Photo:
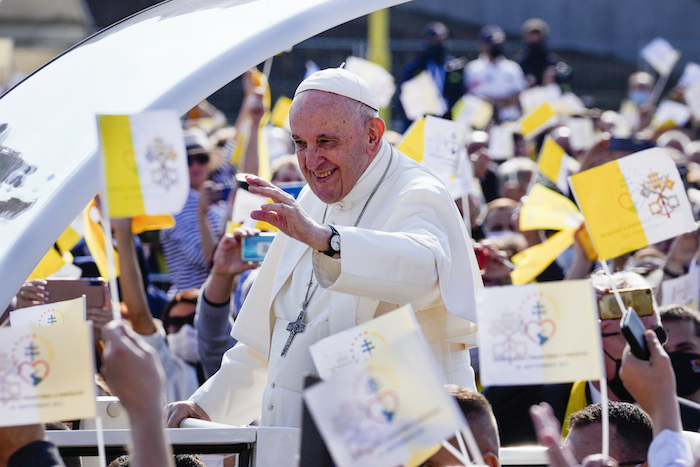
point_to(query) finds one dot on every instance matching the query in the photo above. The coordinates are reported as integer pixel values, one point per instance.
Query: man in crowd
(482, 423)
(493, 77)
(342, 257)
(683, 346)
(630, 432)
(537, 61)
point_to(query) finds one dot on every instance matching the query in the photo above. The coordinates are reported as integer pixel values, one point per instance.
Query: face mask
(495, 51)
(616, 385)
(639, 97)
(687, 369)
(183, 343)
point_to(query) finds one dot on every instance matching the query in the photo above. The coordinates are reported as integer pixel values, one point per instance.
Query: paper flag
(532, 98)
(420, 96)
(95, 240)
(47, 374)
(145, 163)
(548, 210)
(473, 111)
(683, 290)
(145, 223)
(380, 413)
(582, 136)
(436, 143)
(501, 143)
(49, 264)
(553, 164)
(670, 114)
(354, 346)
(534, 260)
(69, 311)
(537, 121)
(691, 74)
(380, 81)
(538, 334)
(660, 55)
(692, 98)
(280, 112)
(633, 202)
(245, 203)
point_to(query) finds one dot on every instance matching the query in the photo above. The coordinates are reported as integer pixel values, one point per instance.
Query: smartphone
(68, 289)
(639, 299)
(633, 330)
(255, 248)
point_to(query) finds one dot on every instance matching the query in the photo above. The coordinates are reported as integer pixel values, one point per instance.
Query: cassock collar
(369, 178)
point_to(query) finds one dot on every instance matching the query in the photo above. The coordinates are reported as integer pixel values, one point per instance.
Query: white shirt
(495, 80)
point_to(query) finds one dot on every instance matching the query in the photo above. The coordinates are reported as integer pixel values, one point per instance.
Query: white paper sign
(582, 135)
(501, 144)
(443, 143)
(380, 81)
(671, 111)
(660, 55)
(683, 290)
(692, 98)
(691, 74)
(389, 411)
(69, 311)
(420, 96)
(538, 334)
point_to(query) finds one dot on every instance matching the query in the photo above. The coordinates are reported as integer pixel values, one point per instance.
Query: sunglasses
(200, 158)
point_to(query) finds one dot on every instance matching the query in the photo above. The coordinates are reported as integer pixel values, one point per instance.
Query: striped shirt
(182, 245)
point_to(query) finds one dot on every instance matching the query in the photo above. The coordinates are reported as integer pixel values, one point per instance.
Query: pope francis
(371, 232)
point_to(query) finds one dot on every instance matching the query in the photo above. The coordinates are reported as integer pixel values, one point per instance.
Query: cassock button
(270, 407)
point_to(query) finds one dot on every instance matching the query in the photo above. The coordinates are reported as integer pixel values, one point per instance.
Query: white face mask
(183, 343)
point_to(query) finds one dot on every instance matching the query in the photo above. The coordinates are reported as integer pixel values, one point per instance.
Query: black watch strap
(333, 240)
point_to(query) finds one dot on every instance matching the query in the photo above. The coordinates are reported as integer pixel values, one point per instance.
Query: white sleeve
(180, 377)
(669, 449)
(234, 394)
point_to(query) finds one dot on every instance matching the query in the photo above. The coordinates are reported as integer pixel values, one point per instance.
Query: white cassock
(410, 247)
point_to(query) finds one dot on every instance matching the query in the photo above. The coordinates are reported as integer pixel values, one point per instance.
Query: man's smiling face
(333, 145)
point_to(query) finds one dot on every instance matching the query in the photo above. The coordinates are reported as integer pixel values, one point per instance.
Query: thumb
(655, 347)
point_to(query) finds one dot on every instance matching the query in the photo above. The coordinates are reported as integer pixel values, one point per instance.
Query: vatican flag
(553, 164)
(633, 202)
(145, 163)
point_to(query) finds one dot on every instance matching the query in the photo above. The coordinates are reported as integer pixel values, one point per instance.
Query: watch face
(335, 242)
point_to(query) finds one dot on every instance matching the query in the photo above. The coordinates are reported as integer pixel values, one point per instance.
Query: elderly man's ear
(375, 132)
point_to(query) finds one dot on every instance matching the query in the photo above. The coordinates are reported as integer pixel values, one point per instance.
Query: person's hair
(186, 296)
(362, 113)
(671, 313)
(181, 460)
(634, 428)
(479, 414)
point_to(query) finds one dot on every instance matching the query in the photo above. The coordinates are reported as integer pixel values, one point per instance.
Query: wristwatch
(333, 243)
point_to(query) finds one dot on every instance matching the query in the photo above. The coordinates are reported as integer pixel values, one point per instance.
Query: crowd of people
(374, 231)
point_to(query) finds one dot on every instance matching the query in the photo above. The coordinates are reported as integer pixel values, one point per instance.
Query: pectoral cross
(294, 328)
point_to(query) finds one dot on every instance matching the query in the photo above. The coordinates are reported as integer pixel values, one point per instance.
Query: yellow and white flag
(436, 143)
(538, 334)
(546, 209)
(633, 202)
(421, 96)
(52, 314)
(473, 111)
(533, 261)
(553, 164)
(537, 121)
(47, 374)
(379, 413)
(145, 163)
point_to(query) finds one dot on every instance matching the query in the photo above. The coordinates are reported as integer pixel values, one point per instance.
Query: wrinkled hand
(100, 316)
(549, 436)
(652, 383)
(132, 369)
(32, 293)
(227, 258)
(287, 215)
(178, 411)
